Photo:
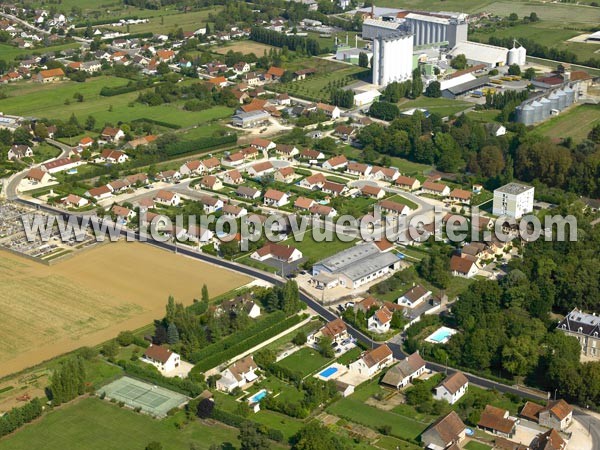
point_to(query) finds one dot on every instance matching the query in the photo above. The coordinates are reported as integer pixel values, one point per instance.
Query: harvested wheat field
(245, 47)
(90, 298)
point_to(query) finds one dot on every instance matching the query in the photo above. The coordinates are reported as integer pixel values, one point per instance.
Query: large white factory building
(392, 58)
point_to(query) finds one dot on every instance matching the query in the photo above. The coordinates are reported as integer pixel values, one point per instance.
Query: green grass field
(306, 361)
(10, 53)
(164, 23)
(33, 99)
(575, 123)
(317, 250)
(476, 446)
(95, 424)
(405, 166)
(442, 106)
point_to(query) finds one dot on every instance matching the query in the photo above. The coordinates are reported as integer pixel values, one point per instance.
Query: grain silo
(538, 111)
(522, 52)
(546, 107)
(562, 99)
(513, 56)
(553, 101)
(570, 95)
(526, 115)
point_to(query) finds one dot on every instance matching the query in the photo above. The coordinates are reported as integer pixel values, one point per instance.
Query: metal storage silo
(553, 101)
(522, 52)
(570, 95)
(513, 56)
(538, 111)
(562, 99)
(546, 107)
(526, 116)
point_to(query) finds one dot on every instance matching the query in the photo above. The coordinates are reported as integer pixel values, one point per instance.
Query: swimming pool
(328, 372)
(258, 396)
(441, 335)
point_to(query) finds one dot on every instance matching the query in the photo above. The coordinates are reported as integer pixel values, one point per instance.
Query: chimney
(372, 10)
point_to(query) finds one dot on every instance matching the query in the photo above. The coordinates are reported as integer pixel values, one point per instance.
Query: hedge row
(219, 356)
(118, 90)
(103, 21)
(182, 147)
(160, 123)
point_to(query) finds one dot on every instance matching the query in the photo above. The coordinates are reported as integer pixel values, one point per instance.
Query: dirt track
(47, 311)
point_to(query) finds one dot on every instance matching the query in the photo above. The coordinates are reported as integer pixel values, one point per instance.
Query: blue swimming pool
(258, 396)
(441, 336)
(328, 372)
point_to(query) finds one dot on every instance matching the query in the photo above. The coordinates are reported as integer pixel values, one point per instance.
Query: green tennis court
(153, 400)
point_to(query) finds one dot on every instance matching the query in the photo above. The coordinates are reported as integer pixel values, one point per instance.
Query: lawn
(316, 251)
(476, 446)
(405, 166)
(305, 360)
(442, 106)
(95, 424)
(164, 23)
(32, 99)
(10, 53)
(356, 411)
(350, 356)
(391, 443)
(575, 123)
(403, 201)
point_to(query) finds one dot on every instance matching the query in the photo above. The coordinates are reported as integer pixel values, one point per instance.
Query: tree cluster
(67, 381)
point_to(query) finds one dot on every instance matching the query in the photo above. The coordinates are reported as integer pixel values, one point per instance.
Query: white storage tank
(546, 107)
(522, 52)
(538, 111)
(553, 101)
(513, 56)
(562, 99)
(570, 95)
(526, 115)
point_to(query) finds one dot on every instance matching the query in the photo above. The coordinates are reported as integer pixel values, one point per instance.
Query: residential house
(313, 182)
(556, 414)
(452, 388)
(263, 144)
(122, 212)
(18, 152)
(241, 303)
(86, 142)
(367, 304)
(440, 189)
(372, 191)
(460, 196)
(414, 297)
(37, 175)
(192, 168)
(336, 163)
(199, 235)
(234, 159)
(447, 432)
(550, 440)
(218, 81)
(403, 373)
(407, 183)
(276, 72)
(344, 132)
(74, 201)
(388, 174)
(284, 99)
(334, 189)
(238, 375)
(393, 209)
(261, 169)
(241, 67)
(313, 155)
(275, 198)
(372, 361)
(336, 330)
(286, 151)
(586, 328)
(322, 211)
(233, 211)
(168, 198)
(284, 253)
(330, 111)
(233, 177)
(285, 175)
(211, 204)
(211, 164)
(168, 176)
(380, 322)
(50, 75)
(58, 165)
(497, 421)
(358, 169)
(113, 156)
(248, 193)
(304, 203)
(463, 267)
(161, 357)
(110, 134)
(211, 182)
(99, 193)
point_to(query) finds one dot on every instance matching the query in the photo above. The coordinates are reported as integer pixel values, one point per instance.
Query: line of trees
(309, 46)
(68, 381)
(19, 416)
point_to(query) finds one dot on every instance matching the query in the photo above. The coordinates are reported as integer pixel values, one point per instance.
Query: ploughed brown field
(245, 47)
(90, 298)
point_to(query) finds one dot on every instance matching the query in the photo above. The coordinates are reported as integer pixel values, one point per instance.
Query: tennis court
(153, 400)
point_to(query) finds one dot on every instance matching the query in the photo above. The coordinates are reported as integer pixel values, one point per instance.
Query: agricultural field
(89, 298)
(48, 100)
(575, 123)
(96, 424)
(164, 23)
(10, 53)
(244, 47)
